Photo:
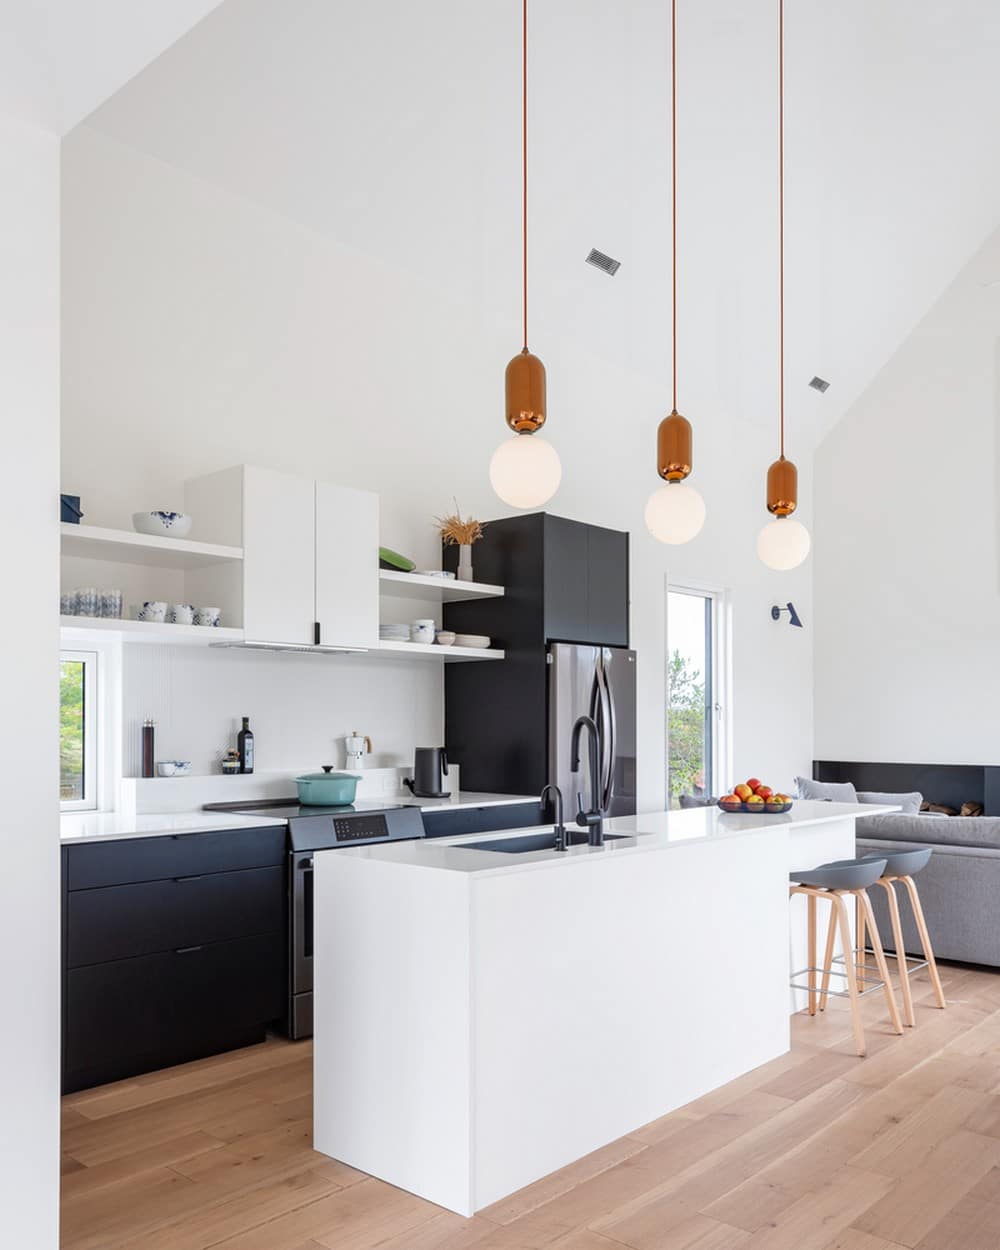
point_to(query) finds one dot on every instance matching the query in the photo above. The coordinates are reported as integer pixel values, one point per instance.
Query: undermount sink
(534, 842)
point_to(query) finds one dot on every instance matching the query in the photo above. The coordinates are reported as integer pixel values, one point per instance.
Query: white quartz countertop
(656, 831)
(78, 827)
(106, 826)
(467, 798)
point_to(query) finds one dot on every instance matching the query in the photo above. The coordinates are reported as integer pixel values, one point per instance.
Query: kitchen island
(484, 1018)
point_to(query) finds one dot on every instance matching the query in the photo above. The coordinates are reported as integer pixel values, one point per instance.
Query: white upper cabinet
(279, 557)
(346, 566)
(310, 555)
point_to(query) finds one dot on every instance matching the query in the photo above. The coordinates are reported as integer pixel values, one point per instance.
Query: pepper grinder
(148, 752)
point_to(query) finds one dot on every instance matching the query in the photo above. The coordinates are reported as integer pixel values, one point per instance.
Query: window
(78, 730)
(697, 751)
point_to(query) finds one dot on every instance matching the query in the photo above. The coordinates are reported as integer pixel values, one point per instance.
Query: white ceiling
(392, 127)
(60, 58)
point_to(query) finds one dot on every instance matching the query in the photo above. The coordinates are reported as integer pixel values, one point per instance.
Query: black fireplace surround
(948, 784)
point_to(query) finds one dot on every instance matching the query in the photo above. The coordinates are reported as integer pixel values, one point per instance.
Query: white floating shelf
(125, 547)
(431, 651)
(150, 631)
(446, 589)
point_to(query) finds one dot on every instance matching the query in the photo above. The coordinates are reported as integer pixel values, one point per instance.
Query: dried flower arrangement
(456, 531)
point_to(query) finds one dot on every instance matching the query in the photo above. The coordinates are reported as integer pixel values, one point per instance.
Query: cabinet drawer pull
(186, 950)
(194, 877)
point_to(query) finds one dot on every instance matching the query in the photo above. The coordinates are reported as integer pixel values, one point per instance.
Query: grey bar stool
(836, 882)
(900, 867)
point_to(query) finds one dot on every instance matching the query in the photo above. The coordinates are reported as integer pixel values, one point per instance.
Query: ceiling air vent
(607, 264)
(820, 384)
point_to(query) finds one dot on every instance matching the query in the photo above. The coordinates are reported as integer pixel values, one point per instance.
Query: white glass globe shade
(675, 513)
(525, 471)
(783, 543)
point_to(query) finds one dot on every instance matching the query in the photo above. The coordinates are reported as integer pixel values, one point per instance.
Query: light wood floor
(818, 1149)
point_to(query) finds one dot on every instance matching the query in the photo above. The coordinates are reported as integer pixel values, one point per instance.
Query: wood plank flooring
(818, 1150)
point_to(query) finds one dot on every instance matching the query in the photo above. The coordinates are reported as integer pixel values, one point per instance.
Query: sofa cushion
(910, 803)
(968, 831)
(830, 791)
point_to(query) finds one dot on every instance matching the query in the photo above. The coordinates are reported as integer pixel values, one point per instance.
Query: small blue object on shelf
(70, 509)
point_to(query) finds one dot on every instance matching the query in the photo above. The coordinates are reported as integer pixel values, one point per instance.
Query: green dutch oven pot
(327, 789)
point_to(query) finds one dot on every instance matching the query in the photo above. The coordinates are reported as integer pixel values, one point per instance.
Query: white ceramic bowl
(472, 640)
(162, 524)
(445, 637)
(173, 768)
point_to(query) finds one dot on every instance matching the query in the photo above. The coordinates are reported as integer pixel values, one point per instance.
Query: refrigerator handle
(611, 733)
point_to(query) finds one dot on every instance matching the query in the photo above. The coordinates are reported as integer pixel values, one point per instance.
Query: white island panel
(392, 1025)
(611, 992)
(483, 1019)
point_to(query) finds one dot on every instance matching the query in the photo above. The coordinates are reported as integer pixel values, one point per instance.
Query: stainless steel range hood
(291, 646)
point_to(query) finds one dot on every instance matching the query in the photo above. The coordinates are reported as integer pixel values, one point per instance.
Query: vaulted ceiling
(60, 58)
(392, 128)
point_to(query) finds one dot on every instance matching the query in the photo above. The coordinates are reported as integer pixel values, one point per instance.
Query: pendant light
(784, 542)
(525, 470)
(675, 512)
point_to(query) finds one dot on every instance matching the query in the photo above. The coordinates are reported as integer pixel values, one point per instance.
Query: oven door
(302, 922)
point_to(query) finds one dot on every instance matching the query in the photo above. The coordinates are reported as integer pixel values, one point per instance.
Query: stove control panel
(369, 828)
(323, 831)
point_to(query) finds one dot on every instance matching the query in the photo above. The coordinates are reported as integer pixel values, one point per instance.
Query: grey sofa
(959, 888)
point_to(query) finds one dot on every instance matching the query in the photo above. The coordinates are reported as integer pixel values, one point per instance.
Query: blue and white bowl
(162, 524)
(173, 768)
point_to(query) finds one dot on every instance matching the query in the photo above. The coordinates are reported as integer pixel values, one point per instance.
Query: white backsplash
(300, 706)
(187, 794)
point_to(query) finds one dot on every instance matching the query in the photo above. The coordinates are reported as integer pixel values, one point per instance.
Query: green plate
(393, 560)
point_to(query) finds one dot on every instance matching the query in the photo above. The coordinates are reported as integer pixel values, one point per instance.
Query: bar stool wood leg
(901, 965)
(839, 906)
(862, 942)
(883, 968)
(811, 907)
(831, 934)
(925, 938)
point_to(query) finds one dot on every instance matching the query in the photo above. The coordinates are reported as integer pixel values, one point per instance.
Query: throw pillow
(828, 791)
(910, 803)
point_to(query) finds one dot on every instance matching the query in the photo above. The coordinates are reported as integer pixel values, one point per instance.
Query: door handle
(612, 736)
(186, 950)
(179, 880)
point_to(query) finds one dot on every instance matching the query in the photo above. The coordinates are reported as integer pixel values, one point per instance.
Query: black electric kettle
(430, 767)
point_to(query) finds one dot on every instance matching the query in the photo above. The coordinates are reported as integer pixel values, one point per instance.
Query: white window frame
(91, 662)
(102, 713)
(722, 680)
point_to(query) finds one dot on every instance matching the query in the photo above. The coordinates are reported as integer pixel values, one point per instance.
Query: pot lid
(327, 775)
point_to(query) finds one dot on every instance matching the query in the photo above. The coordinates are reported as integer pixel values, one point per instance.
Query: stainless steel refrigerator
(598, 682)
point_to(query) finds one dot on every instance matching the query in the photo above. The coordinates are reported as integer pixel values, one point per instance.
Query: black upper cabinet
(565, 582)
(607, 587)
(586, 583)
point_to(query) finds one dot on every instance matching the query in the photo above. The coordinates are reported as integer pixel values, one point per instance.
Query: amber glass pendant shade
(673, 448)
(525, 385)
(782, 487)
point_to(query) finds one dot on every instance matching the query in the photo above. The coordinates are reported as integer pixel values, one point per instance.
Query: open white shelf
(152, 631)
(446, 589)
(125, 547)
(431, 651)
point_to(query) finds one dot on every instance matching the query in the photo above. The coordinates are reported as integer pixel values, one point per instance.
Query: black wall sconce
(793, 616)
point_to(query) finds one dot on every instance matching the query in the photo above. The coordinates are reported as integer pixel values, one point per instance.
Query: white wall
(201, 330)
(29, 883)
(907, 553)
(300, 706)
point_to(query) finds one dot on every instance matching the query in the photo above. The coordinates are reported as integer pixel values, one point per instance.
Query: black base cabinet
(174, 947)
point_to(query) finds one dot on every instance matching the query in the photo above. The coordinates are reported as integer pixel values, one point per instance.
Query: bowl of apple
(756, 798)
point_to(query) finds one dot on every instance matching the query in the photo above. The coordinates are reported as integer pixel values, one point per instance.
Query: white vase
(465, 562)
